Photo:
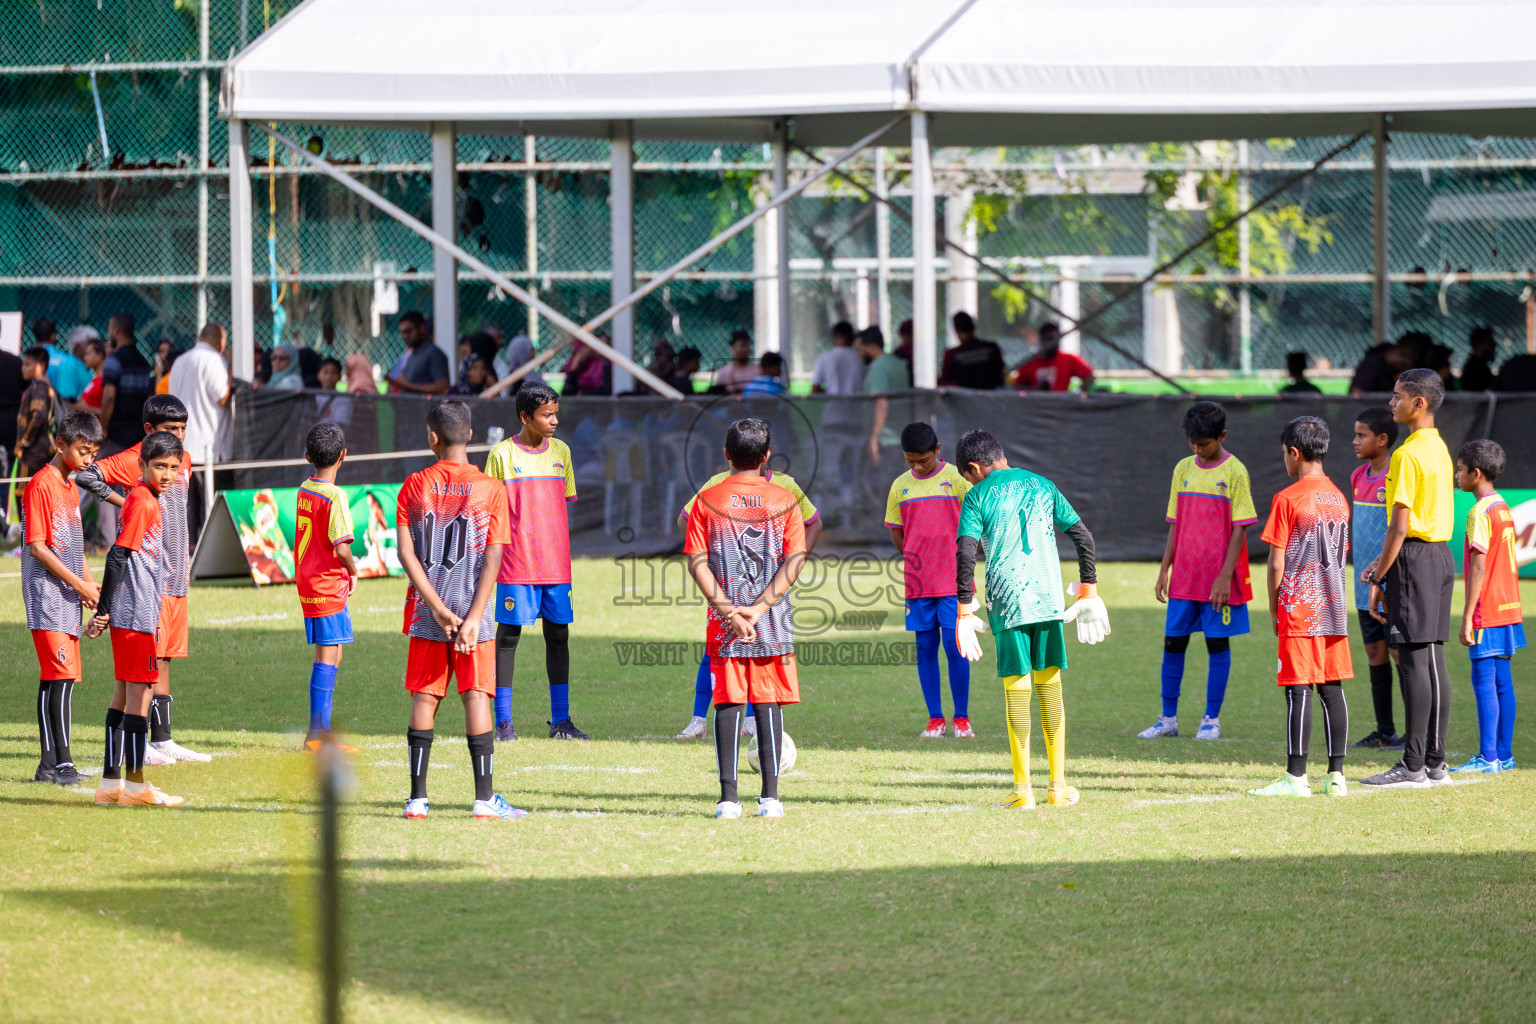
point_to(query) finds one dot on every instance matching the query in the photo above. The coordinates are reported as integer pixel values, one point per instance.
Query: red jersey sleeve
(122, 469)
(1277, 530)
(37, 510)
(697, 540)
(794, 531)
(500, 531)
(136, 519)
(408, 492)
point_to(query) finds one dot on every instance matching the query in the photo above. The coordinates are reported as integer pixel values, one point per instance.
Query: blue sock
(1485, 692)
(322, 687)
(1173, 675)
(559, 701)
(1506, 687)
(959, 675)
(503, 705)
(928, 670)
(703, 689)
(1216, 682)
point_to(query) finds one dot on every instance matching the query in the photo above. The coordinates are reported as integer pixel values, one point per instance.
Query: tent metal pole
(782, 284)
(203, 127)
(531, 232)
(1244, 265)
(242, 320)
(1381, 285)
(621, 220)
(497, 278)
(882, 246)
(445, 221)
(925, 356)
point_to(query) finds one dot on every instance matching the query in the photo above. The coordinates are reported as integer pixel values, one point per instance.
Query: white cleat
(769, 807)
(749, 725)
(694, 729)
(416, 807)
(154, 757)
(1164, 726)
(178, 752)
(728, 809)
(1210, 729)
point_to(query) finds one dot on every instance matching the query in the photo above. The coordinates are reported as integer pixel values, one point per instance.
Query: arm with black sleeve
(117, 568)
(93, 482)
(1088, 611)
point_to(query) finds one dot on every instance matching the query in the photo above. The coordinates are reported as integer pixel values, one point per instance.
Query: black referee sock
(770, 745)
(481, 747)
(112, 761)
(160, 718)
(61, 695)
(1298, 728)
(1381, 697)
(1335, 723)
(44, 728)
(419, 742)
(727, 729)
(135, 742)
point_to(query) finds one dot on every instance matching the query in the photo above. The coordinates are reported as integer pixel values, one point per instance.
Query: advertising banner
(1522, 506)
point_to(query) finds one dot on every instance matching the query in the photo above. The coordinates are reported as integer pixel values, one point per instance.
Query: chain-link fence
(113, 196)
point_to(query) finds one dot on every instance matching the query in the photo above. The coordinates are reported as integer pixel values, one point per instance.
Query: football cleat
(149, 796)
(769, 807)
(496, 807)
(935, 729)
(313, 747)
(154, 757)
(1024, 801)
(728, 809)
(45, 773)
(1286, 785)
(1061, 795)
(565, 729)
(1507, 765)
(1164, 726)
(108, 792)
(179, 752)
(1334, 785)
(416, 807)
(1395, 743)
(1438, 776)
(1398, 777)
(1210, 729)
(963, 730)
(67, 775)
(506, 732)
(749, 725)
(1478, 765)
(1375, 740)
(696, 727)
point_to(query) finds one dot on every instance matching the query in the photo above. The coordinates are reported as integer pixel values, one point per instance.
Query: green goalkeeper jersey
(1015, 514)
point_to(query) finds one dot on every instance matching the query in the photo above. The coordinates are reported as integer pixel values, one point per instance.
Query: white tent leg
(1381, 287)
(242, 324)
(882, 248)
(781, 227)
(925, 357)
(621, 216)
(445, 270)
(961, 291)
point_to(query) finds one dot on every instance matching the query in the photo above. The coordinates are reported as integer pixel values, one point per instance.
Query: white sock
(111, 783)
(135, 787)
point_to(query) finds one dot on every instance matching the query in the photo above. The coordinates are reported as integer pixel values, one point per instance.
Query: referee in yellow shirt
(1417, 574)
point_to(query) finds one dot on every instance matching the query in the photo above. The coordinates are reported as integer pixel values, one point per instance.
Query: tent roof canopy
(990, 72)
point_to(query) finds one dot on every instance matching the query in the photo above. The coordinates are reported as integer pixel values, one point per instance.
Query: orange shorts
(58, 654)
(171, 638)
(1305, 660)
(770, 680)
(430, 663)
(133, 656)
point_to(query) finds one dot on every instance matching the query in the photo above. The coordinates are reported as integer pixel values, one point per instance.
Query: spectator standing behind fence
(34, 423)
(201, 379)
(973, 363)
(689, 359)
(126, 380)
(839, 370)
(1296, 366)
(886, 373)
(93, 352)
(736, 374)
(1051, 369)
(12, 384)
(1477, 371)
(286, 374)
(423, 370)
(66, 372)
(360, 375)
(771, 380)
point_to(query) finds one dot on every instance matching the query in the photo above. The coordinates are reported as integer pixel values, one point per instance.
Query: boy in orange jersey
(326, 572)
(55, 583)
(130, 603)
(1491, 626)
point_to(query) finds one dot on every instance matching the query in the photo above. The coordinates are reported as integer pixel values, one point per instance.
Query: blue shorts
(925, 613)
(329, 629)
(1186, 617)
(521, 604)
(1497, 641)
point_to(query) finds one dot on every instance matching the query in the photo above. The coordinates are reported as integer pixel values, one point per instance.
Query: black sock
(419, 742)
(557, 652)
(135, 741)
(480, 747)
(112, 761)
(45, 727)
(727, 729)
(1381, 697)
(1335, 723)
(160, 718)
(770, 745)
(61, 696)
(1440, 716)
(1298, 728)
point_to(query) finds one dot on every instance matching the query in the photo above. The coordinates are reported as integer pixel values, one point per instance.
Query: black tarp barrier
(637, 460)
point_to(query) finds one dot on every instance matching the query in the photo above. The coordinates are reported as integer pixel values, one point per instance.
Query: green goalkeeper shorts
(1030, 648)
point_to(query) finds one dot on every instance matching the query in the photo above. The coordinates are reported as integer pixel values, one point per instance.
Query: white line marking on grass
(951, 809)
(274, 617)
(260, 809)
(379, 608)
(1189, 800)
(616, 769)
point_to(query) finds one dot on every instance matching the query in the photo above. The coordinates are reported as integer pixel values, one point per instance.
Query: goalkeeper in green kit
(1015, 514)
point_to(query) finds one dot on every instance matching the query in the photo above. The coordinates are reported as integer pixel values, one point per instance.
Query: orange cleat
(963, 729)
(934, 731)
(149, 796)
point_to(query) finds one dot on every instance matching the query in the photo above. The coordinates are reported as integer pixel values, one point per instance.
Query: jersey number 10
(442, 544)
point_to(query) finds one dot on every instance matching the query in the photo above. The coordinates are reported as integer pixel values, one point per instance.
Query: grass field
(892, 890)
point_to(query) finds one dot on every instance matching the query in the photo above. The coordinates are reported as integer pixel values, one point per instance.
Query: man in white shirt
(201, 379)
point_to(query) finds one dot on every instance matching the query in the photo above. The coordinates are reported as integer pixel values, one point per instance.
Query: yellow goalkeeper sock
(1053, 722)
(1016, 702)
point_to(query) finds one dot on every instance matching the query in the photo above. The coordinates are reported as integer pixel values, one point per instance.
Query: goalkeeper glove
(967, 625)
(1091, 616)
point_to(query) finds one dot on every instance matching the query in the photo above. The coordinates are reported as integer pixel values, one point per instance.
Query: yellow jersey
(1422, 479)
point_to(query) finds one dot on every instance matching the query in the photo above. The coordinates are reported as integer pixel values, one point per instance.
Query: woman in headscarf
(286, 375)
(360, 375)
(518, 352)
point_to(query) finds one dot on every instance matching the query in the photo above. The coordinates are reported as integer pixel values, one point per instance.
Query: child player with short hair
(745, 548)
(1015, 514)
(923, 514)
(451, 527)
(167, 413)
(1491, 623)
(1204, 575)
(326, 571)
(1308, 538)
(534, 581)
(131, 592)
(55, 583)
(1375, 434)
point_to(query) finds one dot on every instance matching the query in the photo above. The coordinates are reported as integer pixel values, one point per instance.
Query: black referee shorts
(1419, 587)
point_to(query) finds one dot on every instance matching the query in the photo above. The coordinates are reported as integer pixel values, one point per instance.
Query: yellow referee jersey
(1422, 478)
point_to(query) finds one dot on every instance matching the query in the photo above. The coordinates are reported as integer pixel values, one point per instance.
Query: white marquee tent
(898, 72)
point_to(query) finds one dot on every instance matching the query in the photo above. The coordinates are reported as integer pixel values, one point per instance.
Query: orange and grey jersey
(135, 601)
(50, 513)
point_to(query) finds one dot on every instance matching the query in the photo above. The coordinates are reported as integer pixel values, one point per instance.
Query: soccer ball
(786, 756)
